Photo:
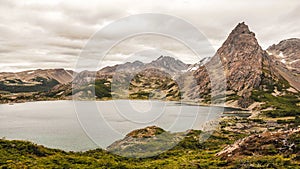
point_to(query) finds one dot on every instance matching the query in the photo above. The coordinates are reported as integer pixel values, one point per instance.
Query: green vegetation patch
(283, 105)
(42, 86)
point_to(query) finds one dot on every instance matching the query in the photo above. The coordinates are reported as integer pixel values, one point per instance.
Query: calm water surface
(84, 125)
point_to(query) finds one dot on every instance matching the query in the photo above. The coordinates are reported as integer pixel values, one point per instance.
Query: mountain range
(247, 67)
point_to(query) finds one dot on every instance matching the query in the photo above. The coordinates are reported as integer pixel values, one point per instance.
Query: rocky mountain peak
(240, 42)
(242, 59)
(137, 62)
(165, 58)
(168, 64)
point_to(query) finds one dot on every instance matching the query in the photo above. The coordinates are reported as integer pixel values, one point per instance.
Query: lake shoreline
(189, 103)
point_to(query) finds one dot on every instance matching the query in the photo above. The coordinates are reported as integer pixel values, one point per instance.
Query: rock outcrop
(267, 143)
(146, 142)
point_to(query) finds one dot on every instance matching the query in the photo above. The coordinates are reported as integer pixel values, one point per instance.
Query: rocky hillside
(153, 83)
(62, 76)
(33, 84)
(196, 66)
(288, 51)
(286, 57)
(35, 80)
(136, 80)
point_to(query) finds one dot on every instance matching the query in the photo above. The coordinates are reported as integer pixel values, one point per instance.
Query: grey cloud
(49, 34)
(65, 43)
(93, 13)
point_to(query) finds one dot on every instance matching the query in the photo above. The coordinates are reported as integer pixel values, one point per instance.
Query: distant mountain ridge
(34, 80)
(167, 64)
(164, 63)
(247, 67)
(61, 75)
(288, 50)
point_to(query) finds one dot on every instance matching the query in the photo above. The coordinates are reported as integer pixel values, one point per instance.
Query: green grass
(283, 105)
(276, 161)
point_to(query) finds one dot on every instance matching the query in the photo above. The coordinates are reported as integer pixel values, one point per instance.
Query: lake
(85, 125)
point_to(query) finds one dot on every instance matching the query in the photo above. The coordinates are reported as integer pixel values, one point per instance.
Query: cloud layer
(50, 34)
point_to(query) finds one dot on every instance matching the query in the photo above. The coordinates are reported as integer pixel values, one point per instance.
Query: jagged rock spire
(242, 28)
(242, 59)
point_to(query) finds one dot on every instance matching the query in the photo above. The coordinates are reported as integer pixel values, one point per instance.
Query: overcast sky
(50, 34)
